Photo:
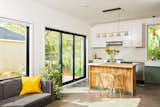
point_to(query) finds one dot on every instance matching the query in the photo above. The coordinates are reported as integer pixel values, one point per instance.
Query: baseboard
(140, 81)
(68, 85)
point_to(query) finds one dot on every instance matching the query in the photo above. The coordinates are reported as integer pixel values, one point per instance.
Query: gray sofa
(10, 89)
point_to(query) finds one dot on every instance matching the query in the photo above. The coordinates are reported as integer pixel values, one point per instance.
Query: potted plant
(50, 73)
(112, 52)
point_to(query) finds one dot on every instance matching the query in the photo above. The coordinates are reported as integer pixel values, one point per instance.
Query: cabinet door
(134, 38)
(97, 41)
(127, 40)
(137, 34)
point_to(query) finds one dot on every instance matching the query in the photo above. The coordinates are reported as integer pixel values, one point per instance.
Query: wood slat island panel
(127, 70)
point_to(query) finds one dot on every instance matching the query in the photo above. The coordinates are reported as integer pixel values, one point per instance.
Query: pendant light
(118, 24)
(154, 22)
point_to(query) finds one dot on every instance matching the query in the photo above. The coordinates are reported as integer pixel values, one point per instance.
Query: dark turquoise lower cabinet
(152, 74)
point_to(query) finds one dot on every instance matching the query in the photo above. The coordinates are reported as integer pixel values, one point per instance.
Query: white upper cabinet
(135, 36)
(130, 33)
(104, 33)
(97, 41)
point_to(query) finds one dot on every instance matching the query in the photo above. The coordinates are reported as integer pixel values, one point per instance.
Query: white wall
(39, 17)
(128, 54)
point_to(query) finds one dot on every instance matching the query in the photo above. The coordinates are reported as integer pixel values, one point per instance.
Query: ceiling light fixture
(153, 19)
(119, 20)
(110, 10)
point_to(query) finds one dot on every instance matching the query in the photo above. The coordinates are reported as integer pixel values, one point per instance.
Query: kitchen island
(127, 71)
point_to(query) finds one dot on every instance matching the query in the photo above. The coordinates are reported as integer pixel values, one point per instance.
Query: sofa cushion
(1, 92)
(47, 86)
(8, 100)
(31, 100)
(31, 85)
(11, 87)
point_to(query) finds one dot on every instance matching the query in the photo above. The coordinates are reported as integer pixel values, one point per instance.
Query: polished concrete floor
(149, 95)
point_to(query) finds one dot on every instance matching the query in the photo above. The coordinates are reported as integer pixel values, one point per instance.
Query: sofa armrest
(47, 86)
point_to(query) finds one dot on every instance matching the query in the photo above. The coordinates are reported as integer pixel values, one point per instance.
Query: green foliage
(13, 71)
(18, 28)
(154, 42)
(51, 45)
(50, 73)
(67, 52)
(112, 52)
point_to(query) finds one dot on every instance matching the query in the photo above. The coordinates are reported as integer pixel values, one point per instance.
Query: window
(14, 49)
(66, 52)
(154, 42)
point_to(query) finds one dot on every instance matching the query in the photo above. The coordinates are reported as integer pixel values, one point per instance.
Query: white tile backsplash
(128, 54)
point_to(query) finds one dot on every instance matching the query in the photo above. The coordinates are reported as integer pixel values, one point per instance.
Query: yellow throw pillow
(31, 85)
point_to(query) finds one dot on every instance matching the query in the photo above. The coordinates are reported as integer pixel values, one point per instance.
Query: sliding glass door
(67, 57)
(79, 57)
(52, 50)
(66, 52)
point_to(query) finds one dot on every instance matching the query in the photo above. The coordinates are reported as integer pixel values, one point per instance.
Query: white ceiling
(91, 10)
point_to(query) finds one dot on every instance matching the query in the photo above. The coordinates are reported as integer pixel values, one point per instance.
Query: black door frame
(27, 51)
(60, 45)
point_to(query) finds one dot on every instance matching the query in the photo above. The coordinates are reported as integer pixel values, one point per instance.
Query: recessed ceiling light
(84, 5)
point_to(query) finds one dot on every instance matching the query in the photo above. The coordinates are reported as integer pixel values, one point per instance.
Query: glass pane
(67, 57)
(154, 42)
(12, 49)
(79, 57)
(52, 49)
